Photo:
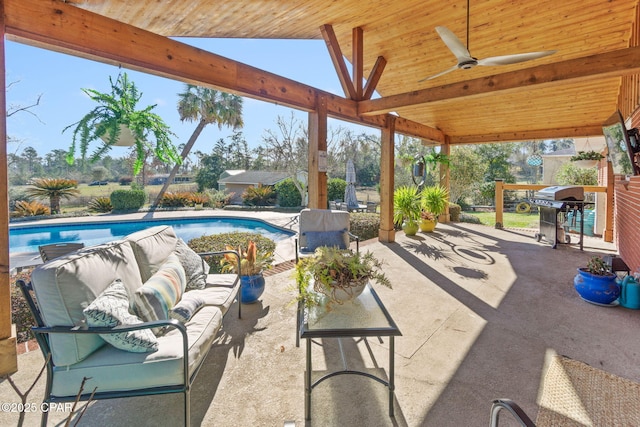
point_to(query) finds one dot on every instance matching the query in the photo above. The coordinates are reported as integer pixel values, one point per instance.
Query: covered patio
(480, 310)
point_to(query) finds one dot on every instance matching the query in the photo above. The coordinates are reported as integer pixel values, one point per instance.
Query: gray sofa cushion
(111, 369)
(151, 247)
(65, 286)
(194, 266)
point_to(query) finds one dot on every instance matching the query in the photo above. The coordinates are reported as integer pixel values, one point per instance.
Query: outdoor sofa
(132, 317)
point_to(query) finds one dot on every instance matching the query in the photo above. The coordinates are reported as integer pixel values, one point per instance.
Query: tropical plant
(197, 199)
(434, 199)
(427, 216)
(252, 261)
(206, 106)
(330, 269)
(54, 189)
(587, 155)
(105, 122)
(175, 200)
(30, 208)
(262, 195)
(406, 205)
(100, 204)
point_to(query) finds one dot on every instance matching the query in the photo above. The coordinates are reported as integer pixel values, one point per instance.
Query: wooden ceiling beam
(374, 77)
(532, 135)
(64, 28)
(337, 58)
(357, 49)
(609, 64)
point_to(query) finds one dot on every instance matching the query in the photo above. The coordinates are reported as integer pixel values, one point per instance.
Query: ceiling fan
(466, 61)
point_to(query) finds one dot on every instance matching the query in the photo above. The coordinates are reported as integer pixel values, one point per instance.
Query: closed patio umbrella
(350, 197)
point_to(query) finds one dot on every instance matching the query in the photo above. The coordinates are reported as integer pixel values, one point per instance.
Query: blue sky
(60, 78)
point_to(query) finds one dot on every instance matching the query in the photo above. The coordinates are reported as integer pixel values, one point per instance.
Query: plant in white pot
(340, 275)
(116, 118)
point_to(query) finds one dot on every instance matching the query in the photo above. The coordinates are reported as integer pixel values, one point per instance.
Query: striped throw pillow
(161, 292)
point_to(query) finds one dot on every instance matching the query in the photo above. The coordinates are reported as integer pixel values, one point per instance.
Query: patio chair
(576, 394)
(55, 250)
(321, 227)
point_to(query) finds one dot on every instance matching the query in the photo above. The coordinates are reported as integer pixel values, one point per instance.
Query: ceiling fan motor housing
(466, 65)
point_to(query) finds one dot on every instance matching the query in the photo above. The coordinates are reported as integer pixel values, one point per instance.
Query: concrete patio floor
(479, 309)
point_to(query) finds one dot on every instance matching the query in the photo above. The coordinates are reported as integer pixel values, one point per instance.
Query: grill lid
(561, 192)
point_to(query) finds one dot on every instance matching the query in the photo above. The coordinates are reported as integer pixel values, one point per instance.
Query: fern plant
(117, 109)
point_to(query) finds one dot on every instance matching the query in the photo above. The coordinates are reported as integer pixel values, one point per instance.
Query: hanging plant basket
(585, 163)
(125, 137)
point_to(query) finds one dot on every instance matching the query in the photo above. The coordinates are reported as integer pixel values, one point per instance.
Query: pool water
(28, 238)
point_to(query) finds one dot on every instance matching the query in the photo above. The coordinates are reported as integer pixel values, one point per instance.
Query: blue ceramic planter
(252, 288)
(596, 289)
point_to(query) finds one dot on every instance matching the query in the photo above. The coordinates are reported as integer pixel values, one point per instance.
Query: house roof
(393, 45)
(255, 178)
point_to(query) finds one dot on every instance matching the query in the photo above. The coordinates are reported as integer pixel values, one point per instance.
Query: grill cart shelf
(555, 203)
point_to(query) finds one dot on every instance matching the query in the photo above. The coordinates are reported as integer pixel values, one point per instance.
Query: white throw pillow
(111, 309)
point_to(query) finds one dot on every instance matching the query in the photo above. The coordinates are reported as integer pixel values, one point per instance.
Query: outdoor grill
(555, 204)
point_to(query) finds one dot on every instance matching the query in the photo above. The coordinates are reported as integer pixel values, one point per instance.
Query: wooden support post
(445, 181)
(317, 185)
(8, 353)
(387, 233)
(607, 233)
(499, 202)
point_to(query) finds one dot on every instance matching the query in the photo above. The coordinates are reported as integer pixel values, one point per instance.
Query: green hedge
(125, 200)
(364, 225)
(454, 211)
(335, 189)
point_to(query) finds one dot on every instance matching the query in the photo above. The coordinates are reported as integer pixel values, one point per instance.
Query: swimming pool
(28, 238)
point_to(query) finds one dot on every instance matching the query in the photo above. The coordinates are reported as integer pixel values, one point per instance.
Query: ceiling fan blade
(455, 67)
(454, 44)
(514, 59)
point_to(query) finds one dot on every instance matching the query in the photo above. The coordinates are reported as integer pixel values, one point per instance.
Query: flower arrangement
(331, 270)
(587, 155)
(252, 261)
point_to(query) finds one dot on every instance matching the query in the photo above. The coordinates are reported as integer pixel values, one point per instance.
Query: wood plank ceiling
(402, 31)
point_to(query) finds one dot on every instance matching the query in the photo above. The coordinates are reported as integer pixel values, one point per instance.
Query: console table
(365, 317)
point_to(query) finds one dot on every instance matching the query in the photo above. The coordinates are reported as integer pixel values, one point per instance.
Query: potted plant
(406, 209)
(433, 200)
(115, 120)
(596, 283)
(337, 274)
(252, 264)
(587, 159)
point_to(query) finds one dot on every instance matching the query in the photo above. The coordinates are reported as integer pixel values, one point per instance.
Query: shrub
(364, 225)
(26, 208)
(454, 211)
(217, 242)
(20, 313)
(469, 218)
(125, 180)
(335, 188)
(197, 199)
(100, 204)
(124, 200)
(218, 198)
(570, 174)
(288, 194)
(175, 200)
(262, 195)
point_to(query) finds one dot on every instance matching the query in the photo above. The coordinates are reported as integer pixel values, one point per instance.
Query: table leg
(391, 374)
(307, 384)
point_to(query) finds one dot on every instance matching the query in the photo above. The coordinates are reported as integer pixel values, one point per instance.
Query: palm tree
(54, 189)
(206, 106)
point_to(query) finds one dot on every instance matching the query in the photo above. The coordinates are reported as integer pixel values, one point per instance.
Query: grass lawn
(510, 219)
